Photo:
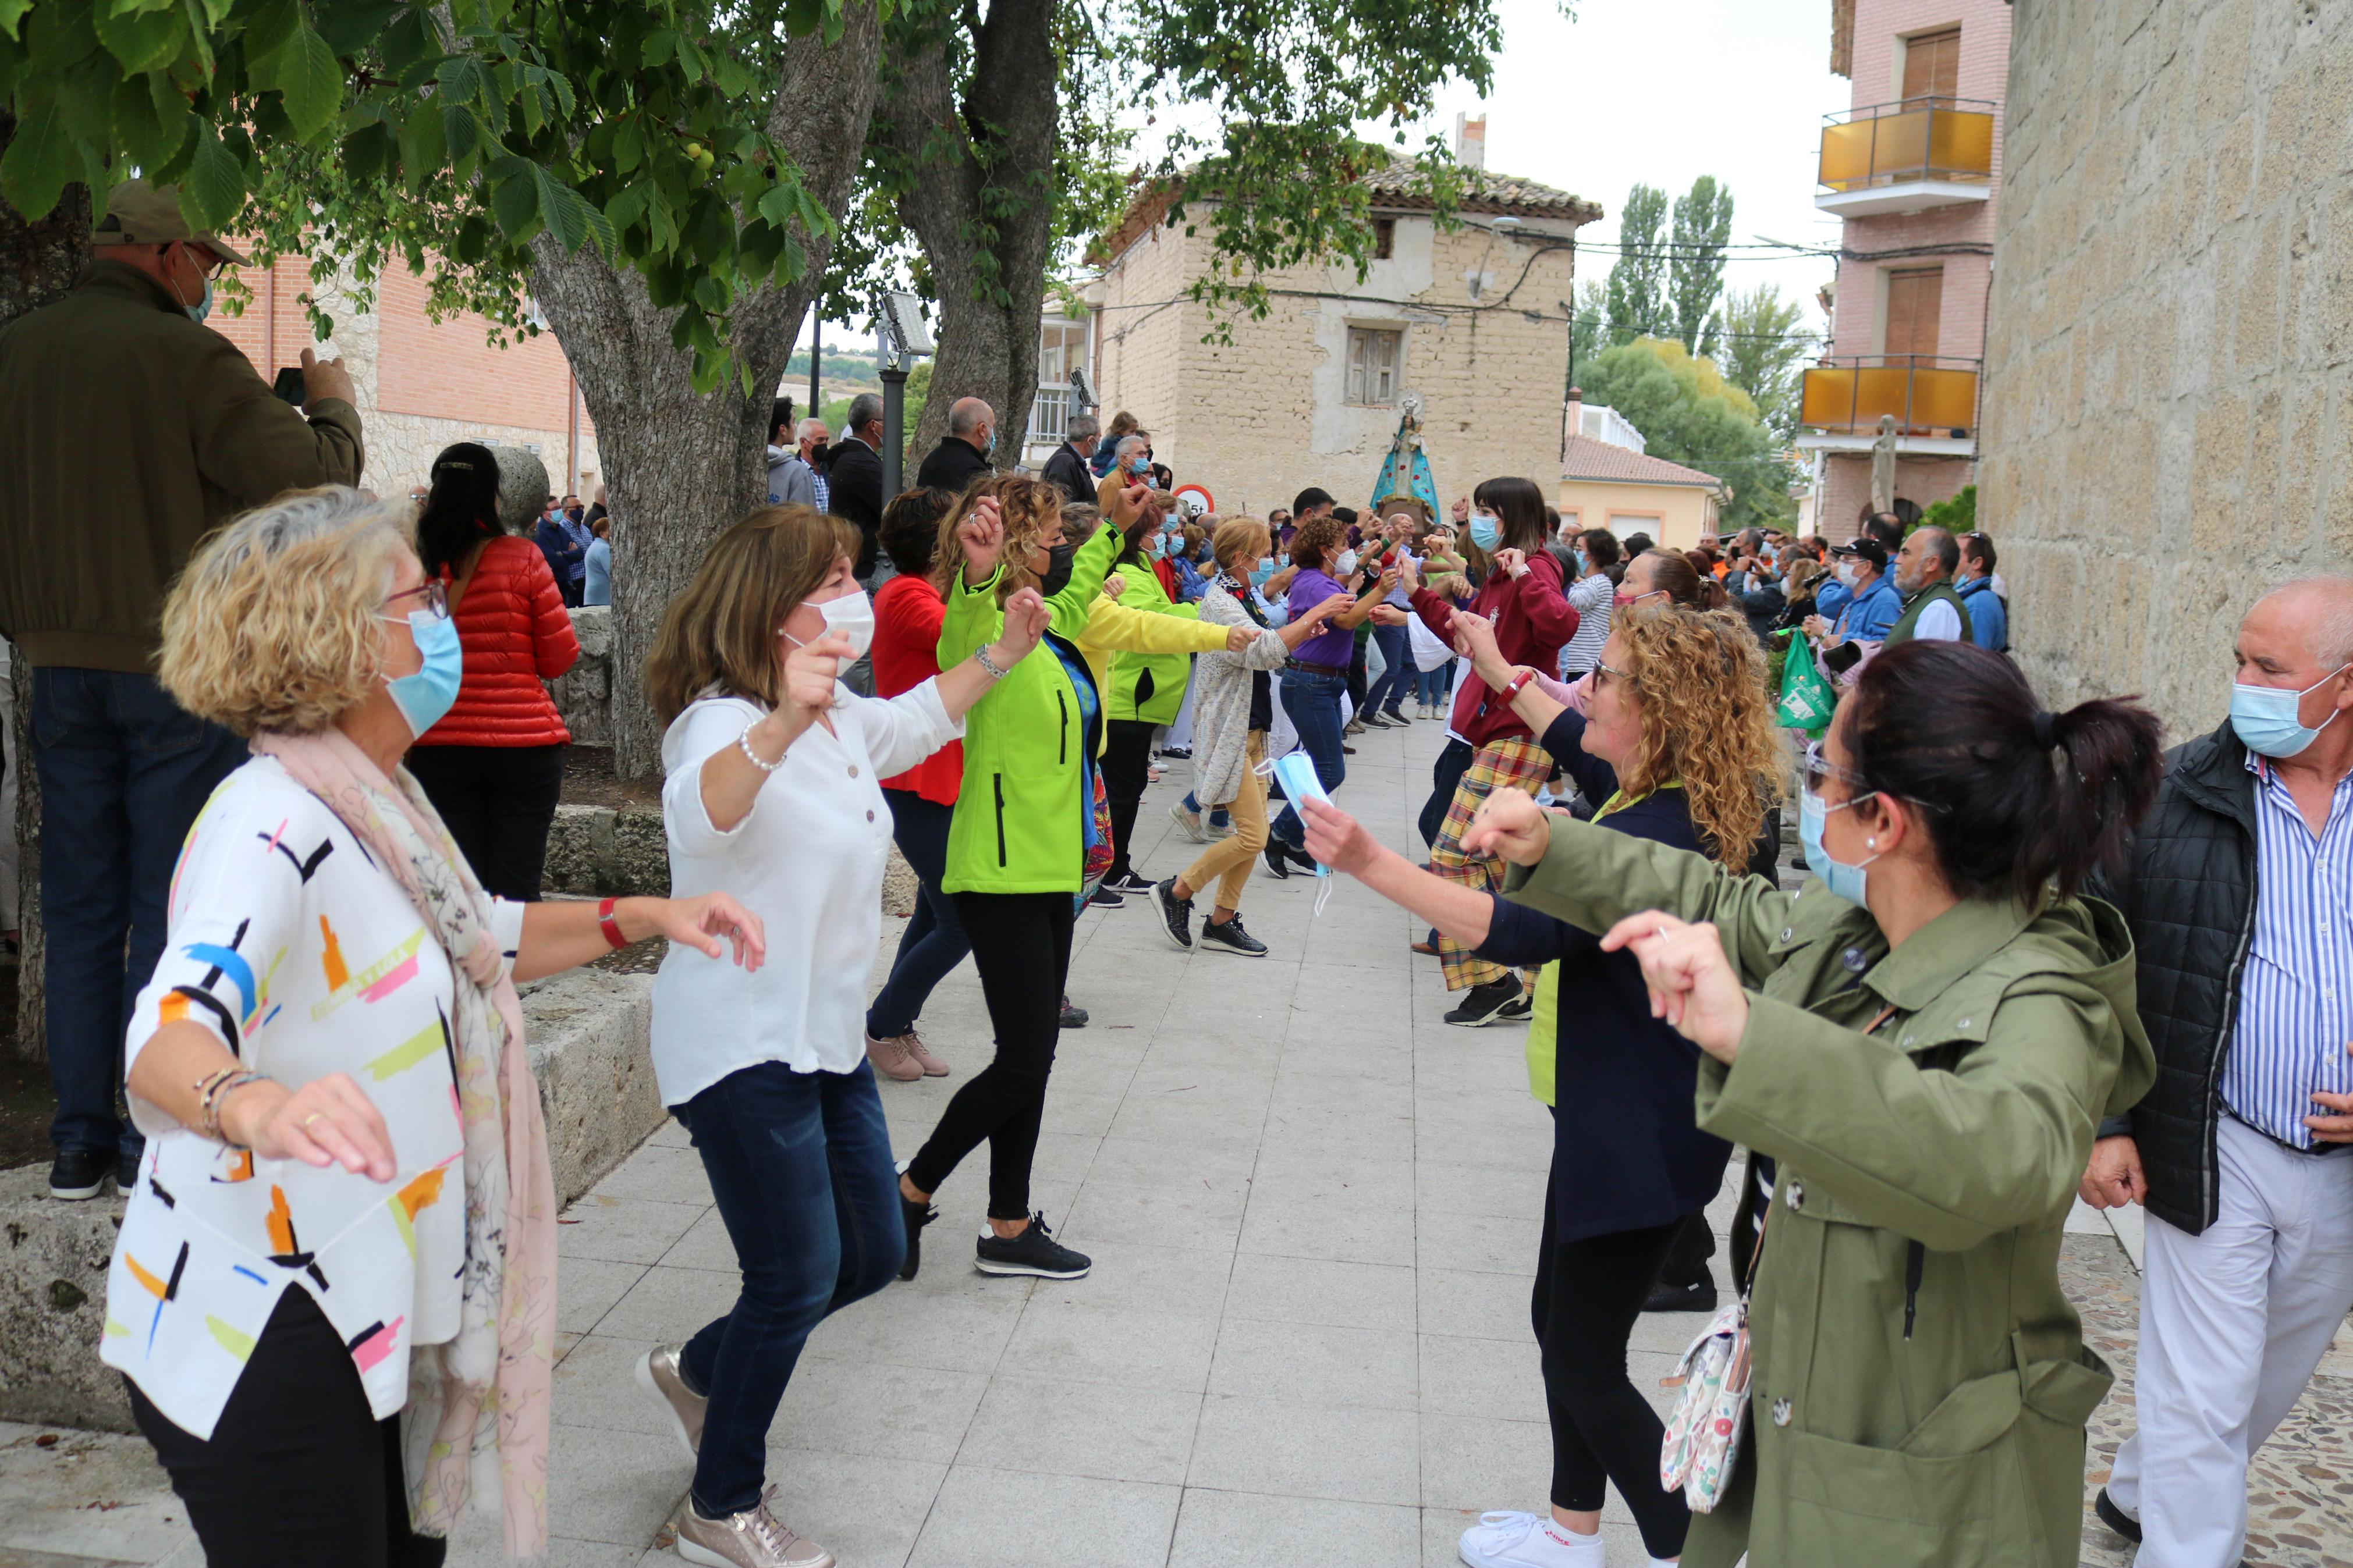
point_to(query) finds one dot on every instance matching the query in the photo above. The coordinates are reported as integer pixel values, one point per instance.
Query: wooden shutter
(1932, 65)
(1914, 300)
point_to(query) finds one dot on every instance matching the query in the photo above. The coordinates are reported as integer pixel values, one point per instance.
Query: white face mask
(852, 617)
(1347, 561)
(1846, 570)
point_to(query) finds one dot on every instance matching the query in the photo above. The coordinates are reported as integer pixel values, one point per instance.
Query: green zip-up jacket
(1017, 827)
(1936, 593)
(1921, 1381)
(1150, 687)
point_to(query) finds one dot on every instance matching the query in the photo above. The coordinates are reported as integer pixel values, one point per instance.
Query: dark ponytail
(2016, 798)
(462, 509)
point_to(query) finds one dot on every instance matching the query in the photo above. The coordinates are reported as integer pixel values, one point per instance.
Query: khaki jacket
(127, 433)
(1923, 1418)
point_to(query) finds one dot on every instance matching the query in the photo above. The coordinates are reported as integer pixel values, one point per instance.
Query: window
(1373, 365)
(1932, 65)
(1061, 349)
(1914, 299)
(1384, 238)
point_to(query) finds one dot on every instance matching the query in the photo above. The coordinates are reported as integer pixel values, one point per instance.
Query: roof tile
(1587, 458)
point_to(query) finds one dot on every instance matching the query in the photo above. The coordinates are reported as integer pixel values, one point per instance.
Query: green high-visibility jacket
(1149, 687)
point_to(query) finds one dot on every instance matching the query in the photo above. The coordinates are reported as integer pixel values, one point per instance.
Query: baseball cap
(139, 214)
(1869, 550)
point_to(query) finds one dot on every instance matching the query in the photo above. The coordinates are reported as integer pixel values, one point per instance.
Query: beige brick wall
(1263, 417)
(2168, 409)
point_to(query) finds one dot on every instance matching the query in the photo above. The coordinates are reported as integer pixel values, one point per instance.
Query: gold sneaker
(658, 1375)
(753, 1538)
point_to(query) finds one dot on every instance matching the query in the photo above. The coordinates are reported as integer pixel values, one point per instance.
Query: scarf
(479, 1406)
(1244, 598)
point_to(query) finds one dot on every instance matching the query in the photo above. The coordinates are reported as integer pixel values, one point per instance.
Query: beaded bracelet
(214, 1090)
(743, 741)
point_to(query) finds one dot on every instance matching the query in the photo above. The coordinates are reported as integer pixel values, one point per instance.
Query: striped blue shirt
(2296, 994)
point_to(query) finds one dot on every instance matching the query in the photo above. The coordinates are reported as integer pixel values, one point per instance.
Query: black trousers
(1357, 673)
(1604, 1433)
(498, 802)
(1021, 945)
(1695, 1244)
(1453, 762)
(297, 1470)
(1126, 768)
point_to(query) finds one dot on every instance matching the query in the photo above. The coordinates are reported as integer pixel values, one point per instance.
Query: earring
(1870, 844)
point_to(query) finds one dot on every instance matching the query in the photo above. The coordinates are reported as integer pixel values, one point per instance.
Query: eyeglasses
(1821, 769)
(1604, 672)
(430, 596)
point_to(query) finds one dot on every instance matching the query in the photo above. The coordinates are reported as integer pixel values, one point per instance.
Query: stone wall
(2169, 411)
(584, 694)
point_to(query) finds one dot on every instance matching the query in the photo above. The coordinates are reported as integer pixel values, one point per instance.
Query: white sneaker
(1526, 1541)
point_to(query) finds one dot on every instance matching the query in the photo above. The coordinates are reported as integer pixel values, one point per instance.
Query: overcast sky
(1662, 91)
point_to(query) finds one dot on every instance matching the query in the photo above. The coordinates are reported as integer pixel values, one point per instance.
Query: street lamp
(900, 335)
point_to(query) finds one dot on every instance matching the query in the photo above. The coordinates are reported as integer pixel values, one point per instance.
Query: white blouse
(305, 957)
(808, 860)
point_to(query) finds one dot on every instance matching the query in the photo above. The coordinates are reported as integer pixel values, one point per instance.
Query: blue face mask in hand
(423, 698)
(1844, 878)
(2266, 717)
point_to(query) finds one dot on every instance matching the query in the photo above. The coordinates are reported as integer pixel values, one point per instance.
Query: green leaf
(566, 211)
(312, 82)
(350, 26)
(516, 200)
(142, 130)
(12, 17)
(628, 205)
(39, 160)
(368, 153)
(140, 40)
(214, 189)
(424, 148)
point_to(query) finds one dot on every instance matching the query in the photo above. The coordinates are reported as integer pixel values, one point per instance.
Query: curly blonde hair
(272, 625)
(1029, 509)
(1706, 721)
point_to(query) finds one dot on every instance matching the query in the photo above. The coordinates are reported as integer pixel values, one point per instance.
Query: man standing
(595, 507)
(794, 481)
(1130, 465)
(2239, 892)
(855, 473)
(811, 436)
(962, 454)
(780, 451)
(1923, 570)
(567, 558)
(127, 432)
(1067, 466)
(1874, 606)
(1989, 615)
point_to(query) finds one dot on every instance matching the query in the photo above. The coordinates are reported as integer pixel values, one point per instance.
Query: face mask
(423, 698)
(1583, 565)
(203, 306)
(1140, 466)
(1347, 561)
(1264, 570)
(1846, 573)
(1058, 573)
(1485, 532)
(1155, 545)
(1624, 600)
(852, 616)
(2266, 717)
(1844, 878)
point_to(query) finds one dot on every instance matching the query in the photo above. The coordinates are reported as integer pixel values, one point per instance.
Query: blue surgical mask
(1155, 545)
(423, 698)
(1263, 570)
(1583, 565)
(203, 306)
(2266, 717)
(1845, 879)
(1140, 465)
(1486, 532)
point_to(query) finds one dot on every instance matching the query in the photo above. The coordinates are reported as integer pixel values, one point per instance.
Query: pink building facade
(1911, 171)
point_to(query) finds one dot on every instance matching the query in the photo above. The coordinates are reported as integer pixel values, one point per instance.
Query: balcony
(1907, 157)
(1934, 401)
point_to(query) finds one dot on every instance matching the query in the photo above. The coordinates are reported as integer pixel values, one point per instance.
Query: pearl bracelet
(744, 744)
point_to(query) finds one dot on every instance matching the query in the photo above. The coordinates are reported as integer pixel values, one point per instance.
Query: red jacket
(908, 612)
(1532, 620)
(516, 634)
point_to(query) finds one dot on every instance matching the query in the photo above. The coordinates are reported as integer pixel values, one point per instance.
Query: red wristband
(1517, 684)
(609, 925)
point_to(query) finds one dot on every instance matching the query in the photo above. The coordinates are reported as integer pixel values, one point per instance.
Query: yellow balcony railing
(1896, 144)
(1926, 395)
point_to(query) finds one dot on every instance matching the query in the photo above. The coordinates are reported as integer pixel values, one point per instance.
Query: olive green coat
(1962, 1123)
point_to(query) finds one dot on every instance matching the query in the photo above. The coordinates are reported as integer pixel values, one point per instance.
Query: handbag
(1806, 702)
(1701, 1447)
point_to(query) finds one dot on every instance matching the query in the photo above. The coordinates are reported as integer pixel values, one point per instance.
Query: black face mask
(1058, 574)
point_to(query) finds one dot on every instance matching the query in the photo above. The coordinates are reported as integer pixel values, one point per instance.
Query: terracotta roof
(1606, 462)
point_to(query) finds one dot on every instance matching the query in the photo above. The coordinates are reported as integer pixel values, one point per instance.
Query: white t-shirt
(808, 860)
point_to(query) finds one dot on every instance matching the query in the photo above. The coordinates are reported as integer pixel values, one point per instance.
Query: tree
(1636, 296)
(1588, 325)
(1689, 413)
(1763, 349)
(1695, 265)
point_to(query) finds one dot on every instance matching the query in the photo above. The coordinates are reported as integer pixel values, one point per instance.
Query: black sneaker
(1073, 1017)
(1375, 720)
(1230, 937)
(1397, 717)
(126, 1168)
(1102, 897)
(1175, 913)
(1518, 1010)
(1276, 861)
(76, 1174)
(1480, 1004)
(1178, 753)
(914, 1217)
(1666, 1298)
(1128, 884)
(2115, 1517)
(1034, 1251)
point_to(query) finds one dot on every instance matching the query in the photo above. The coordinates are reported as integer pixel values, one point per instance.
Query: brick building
(423, 384)
(1911, 170)
(1471, 319)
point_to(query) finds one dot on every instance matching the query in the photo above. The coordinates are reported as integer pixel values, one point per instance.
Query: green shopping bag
(1807, 701)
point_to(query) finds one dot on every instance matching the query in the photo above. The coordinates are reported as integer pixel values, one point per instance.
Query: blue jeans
(1218, 817)
(934, 941)
(800, 1167)
(1389, 691)
(1429, 685)
(1313, 702)
(124, 770)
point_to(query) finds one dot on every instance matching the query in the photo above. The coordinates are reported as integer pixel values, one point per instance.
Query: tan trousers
(1230, 858)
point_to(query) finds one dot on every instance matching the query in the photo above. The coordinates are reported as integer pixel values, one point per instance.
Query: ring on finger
(314, 1116)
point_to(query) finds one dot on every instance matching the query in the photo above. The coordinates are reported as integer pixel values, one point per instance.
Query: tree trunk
(681, 465)
(981, 203)
(38, 263)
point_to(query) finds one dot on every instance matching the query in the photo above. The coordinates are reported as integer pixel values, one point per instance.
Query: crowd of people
(298, 764)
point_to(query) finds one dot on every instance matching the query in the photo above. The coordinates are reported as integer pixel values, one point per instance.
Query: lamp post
(900, 335)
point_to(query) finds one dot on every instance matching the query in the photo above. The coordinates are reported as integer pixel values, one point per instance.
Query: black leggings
(1127, 766)
(497, 801)
(1588, 1294)
(1021, 945)
(298, 1470)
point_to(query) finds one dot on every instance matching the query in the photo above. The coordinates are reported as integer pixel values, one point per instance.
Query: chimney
(1471, 142)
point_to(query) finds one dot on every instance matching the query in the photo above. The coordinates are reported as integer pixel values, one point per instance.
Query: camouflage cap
(139, 214)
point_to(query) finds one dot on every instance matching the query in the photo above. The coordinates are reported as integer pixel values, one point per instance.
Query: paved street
(1314, 1211)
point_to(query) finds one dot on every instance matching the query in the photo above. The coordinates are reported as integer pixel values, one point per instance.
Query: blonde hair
(1237, 535)
(272, 625)
(1705, 721)
(1029, 507)
(721, 631)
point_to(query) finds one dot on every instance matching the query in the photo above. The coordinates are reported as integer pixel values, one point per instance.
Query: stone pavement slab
(1314, 1209)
